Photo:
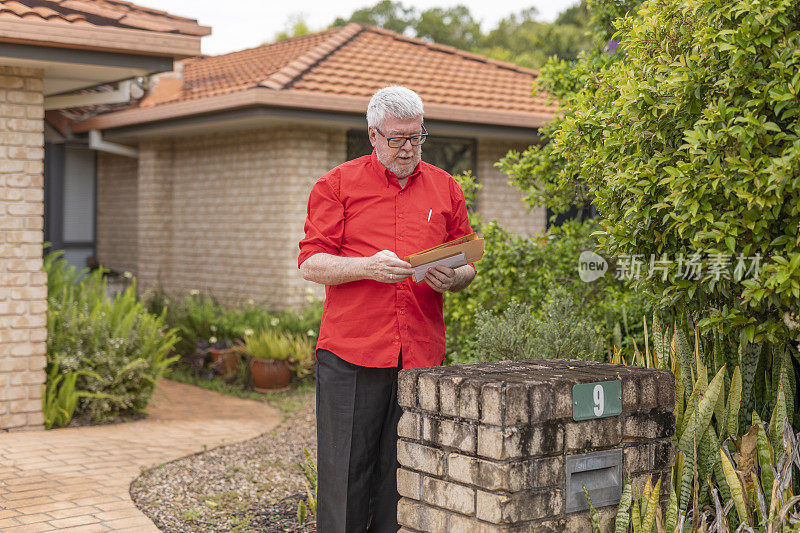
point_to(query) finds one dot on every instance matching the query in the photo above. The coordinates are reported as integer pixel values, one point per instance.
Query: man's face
(403, 160)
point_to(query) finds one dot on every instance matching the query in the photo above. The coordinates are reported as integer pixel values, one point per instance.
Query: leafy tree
(518, 38)
(576, 15)
(523, 39)
(386, 14)
(540, 171)
(453, 26)
(296, 26)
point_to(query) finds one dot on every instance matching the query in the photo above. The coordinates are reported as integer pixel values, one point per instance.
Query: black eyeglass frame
(423, 137)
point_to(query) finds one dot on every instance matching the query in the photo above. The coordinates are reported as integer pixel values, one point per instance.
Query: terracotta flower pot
(225, 361)
(269, 374)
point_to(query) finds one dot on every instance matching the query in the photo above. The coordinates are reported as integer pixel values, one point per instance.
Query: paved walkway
(77, 479)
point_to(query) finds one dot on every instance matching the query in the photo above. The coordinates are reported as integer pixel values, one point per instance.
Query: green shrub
(562, 331)
(197, 317)
(203, 323)
(201, 318)
(527, 270)
(304, 321)
(59, 395)
(117, 350)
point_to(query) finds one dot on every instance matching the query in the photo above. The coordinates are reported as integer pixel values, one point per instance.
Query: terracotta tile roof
(337, 70)
(114, 13)
(440, 74)
(355, 61)
(236, 71)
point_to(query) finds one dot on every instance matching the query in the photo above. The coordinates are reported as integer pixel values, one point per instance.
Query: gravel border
(254, 485)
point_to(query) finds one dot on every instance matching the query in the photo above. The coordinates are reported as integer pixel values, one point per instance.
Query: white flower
(212, 340)
(274, 321)
(250, 301)
(213, 328)
(248, 332)
(311, 333)
(127, 274)
(194, 292)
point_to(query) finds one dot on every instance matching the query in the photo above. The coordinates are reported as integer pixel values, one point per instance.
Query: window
(573, 213)
(69, 197)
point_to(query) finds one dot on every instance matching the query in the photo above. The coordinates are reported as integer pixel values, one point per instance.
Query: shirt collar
(388, 174)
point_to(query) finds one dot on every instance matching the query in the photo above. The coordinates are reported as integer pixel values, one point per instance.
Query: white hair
(397, 101)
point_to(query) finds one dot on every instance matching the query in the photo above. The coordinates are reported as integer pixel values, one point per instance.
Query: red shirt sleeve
(324, 220)
(458, 225)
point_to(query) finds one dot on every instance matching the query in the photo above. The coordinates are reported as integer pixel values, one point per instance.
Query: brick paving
(78, 479)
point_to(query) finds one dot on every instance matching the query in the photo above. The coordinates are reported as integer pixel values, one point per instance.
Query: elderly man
(363, 216)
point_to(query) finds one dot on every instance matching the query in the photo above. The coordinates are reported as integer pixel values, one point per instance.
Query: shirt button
(400, 215)
(400, 238)
(397, 337)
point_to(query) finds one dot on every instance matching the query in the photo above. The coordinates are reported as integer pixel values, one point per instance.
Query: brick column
(484, 448)
(23, 285)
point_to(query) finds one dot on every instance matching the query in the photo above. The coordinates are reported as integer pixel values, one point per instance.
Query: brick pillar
(154, 211)
(23, 285)
(485, 448)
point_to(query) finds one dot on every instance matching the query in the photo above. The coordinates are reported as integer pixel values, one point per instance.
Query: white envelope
(454, 261)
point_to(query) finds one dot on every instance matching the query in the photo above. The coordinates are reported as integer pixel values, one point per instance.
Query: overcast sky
(238, 24)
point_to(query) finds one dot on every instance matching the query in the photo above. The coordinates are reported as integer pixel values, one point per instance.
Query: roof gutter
(96, 142)
(125, 91)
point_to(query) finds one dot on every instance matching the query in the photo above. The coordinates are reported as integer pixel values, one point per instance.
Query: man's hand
(444, 278)
(440, 278)
(386, 267)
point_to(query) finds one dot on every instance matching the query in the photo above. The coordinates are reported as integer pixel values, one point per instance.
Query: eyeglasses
(397, 142)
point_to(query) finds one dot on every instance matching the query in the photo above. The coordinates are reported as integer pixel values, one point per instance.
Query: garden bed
(250, 486)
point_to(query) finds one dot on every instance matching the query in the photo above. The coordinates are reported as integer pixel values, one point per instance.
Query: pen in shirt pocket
(429, 214)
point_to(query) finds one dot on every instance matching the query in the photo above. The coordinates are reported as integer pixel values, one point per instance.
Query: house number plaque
(596, 400)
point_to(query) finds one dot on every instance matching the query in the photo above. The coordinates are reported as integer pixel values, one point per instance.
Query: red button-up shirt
(358, 209)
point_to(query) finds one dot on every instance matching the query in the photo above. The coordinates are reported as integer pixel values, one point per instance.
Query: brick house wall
(223, 213)
(23, 285)
(218, 213)
(499, 201)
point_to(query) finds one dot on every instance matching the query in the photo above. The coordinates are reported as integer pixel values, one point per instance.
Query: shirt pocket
(430, 225)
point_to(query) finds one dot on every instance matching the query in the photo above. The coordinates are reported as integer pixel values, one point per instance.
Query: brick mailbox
(509, 446)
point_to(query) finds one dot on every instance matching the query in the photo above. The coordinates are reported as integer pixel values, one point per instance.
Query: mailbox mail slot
(601, 474)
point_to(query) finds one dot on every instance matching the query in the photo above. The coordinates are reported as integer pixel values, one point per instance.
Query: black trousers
(357, 416)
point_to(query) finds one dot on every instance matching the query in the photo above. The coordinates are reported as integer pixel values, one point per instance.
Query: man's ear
(373, 135)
